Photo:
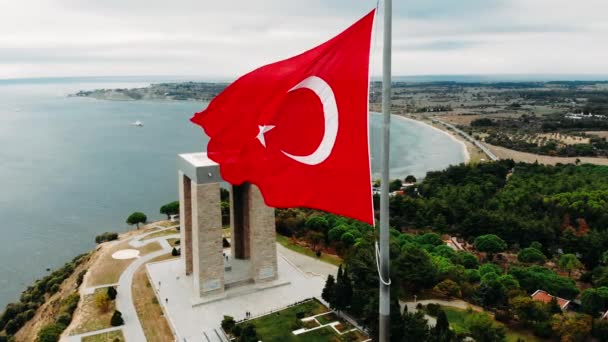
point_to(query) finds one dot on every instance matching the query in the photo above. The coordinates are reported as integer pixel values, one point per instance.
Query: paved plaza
(191, 319)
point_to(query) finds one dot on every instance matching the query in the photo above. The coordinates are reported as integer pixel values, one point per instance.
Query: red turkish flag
(298, 128)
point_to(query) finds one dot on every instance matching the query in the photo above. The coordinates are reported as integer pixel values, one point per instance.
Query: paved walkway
(305, 274)
(132, 329)
(190, 321)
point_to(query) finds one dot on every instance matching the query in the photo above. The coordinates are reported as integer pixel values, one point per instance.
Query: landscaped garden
(309, 321)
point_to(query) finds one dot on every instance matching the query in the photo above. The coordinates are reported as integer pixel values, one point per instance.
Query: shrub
(300, 314)
(174, 252)
(318, 253)
(12, 326)
(116, 319)
(542, 329)
(102, 301)
(228, 324)
(107, 236)
(225, 243)
(112, 293)
(51, 332)
(71, 303)
(65, 319)
(80, 278)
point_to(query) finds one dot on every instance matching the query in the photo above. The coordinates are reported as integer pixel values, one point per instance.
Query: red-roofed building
(543, 296)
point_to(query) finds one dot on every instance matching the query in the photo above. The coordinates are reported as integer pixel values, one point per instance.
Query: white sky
(223, 39)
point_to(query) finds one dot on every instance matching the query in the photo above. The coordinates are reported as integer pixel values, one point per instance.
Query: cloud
(202, 38)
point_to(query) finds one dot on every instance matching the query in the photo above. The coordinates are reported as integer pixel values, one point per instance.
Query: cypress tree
(329, 290)
(112, 293)
(116, 319)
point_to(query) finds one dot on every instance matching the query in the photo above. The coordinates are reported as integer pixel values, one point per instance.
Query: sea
(73, 167)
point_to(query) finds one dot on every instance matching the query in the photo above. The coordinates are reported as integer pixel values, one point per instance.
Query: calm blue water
(71, 168)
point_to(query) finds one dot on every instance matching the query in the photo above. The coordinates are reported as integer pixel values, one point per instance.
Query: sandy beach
(456, 138)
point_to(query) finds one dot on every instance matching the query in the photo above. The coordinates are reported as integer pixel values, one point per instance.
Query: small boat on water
(138, 123)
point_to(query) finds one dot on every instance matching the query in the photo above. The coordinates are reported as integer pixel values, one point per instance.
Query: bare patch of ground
(505, 153)
(601, 134)
(565, 138)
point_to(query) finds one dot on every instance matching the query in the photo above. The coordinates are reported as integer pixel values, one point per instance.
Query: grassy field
(328, 258)
(107, 270)
(457, 319)
(112, 336)
(148, 310)
(90, 317)
(167, 223)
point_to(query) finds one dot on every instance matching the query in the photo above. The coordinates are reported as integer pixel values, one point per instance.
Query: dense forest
(528, 224)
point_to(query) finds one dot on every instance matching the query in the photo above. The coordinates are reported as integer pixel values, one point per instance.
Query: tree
(102, 301)
(395, 185)
(490, 244)
(228, 324)
(137, 218)
(569, 263)
(448, 288)
(484, 329)
(328, 293)
(528, 310)
(415, 268)
(600, 330)
(318, 223)
(468, 260)
(174, 252)
(248, 334)
(116, 319)
(343, 293)
(441, 331)
(410, 179)
(112, 293)
(169, 209)
(594, 301)
(415, 326)
(531, 255)
(315, 238)
(572, 327)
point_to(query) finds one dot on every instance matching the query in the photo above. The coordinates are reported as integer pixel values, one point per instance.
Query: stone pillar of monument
(208, 261)
(262, 235)
(253, 254)
(185, 222)
(201, 222)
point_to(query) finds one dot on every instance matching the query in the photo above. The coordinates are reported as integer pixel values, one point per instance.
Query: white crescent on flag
(330, 113)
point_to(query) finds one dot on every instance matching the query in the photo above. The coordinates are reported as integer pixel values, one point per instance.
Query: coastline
(465, 148)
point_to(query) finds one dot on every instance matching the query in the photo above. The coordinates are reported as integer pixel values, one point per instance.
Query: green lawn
(457, 318)
(327, 318)
(331, 259)
(278, 326)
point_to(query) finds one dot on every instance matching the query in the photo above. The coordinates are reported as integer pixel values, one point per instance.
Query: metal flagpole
(385, 293)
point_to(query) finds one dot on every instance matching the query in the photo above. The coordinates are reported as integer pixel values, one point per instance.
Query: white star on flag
(263, 130)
